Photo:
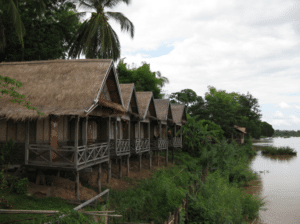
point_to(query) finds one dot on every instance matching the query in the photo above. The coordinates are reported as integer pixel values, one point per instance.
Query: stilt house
(129, 122)
(165, 120)
(179, 116)
(148, 122)
(77, 97)
(242, 132)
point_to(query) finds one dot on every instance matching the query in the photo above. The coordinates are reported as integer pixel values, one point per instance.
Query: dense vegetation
(286, 133)
(271, 150)
(226, 110)
(143, 78)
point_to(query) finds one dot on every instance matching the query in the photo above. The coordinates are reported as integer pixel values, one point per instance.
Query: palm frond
(113, 3)
(16, 19)
(126, 24)
(87, 4)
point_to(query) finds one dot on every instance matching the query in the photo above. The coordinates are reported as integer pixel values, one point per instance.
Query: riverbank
(151, 197)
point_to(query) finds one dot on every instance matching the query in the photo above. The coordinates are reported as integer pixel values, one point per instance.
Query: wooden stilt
(140, 162)
(58, 173)
(77, 185)
(26, 142)
(127, 166)
(120, 168)
(150, 160)
(99, 178)
(108, 171)
(157, 158)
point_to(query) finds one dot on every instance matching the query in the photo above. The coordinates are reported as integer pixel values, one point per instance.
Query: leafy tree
(47, 36)
(266, 129)
(11, 7)
(96, 38)
(195, 104)
(143, 78)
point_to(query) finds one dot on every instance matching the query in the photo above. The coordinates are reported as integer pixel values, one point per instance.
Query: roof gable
(179, 113)
(163, 109)
(59, 86)
(129, 97)
(146, 104)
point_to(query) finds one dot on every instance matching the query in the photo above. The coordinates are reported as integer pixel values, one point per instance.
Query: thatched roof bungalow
(77, 98)
(179, 116)
(242, 132)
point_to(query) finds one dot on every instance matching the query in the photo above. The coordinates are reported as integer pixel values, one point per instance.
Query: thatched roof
(146, 103)
(163, 109)
(60, 87)
(179, 113)
(240, 129)
(130, 99)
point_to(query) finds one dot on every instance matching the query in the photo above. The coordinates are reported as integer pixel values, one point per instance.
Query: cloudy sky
(234, 45)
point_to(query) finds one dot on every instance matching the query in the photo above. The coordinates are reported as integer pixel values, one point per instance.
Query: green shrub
(217, 201)
(271, 150)
(18, 186)
(5, 204)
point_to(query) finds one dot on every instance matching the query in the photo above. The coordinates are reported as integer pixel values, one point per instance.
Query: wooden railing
(122, 147)
(135, 145)
(160, 144)
(145, 145)
(175, 142)
(65, 156)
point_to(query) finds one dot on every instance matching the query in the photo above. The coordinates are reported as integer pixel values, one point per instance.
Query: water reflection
(280, 185)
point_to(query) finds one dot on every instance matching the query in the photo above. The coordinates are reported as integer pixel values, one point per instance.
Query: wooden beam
(108, 145)
(87, 170)
(172, 155)
(99, 178)
(26, 142)
(128, 166)
(120, 167)
(76, 141)
(140, 161)
(108, 171)
(77, 185)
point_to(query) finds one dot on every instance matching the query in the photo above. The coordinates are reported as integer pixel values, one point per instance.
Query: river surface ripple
(280, 179)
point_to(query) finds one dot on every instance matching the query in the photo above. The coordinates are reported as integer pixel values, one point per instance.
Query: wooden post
(108, 170)
(99, 178)
(84, 136)
(140, 161)
(58, 173)
(108, 145)
(115, 134)
(77, 185)
(150, 159)
(128, 166)
(26, 142)
(120, 167)
(181, 136)
(76, 140)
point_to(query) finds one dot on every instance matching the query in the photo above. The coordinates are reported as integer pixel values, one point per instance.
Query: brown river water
(279, 182)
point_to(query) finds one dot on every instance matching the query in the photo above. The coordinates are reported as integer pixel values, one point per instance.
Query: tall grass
(271, 150)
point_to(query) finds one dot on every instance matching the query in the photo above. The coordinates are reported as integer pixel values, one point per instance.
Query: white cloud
(233, 45)
(295, 119)
(278, 114)
(280, 122)
(284, 105)
(297, 107)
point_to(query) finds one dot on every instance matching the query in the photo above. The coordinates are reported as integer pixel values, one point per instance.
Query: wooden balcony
(121, 149)
(144, 145)
(68, 157)
(159, 144)
(175, 142)
(135, 146)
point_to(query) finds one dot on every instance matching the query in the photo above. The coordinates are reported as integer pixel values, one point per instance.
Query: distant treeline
(282, 133)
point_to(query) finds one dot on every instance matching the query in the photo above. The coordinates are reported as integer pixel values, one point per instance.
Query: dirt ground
(64, 186)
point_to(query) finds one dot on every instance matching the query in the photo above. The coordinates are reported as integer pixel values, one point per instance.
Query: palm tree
(95, 37)
(11, 7)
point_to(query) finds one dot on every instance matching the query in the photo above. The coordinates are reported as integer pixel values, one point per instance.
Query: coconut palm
(11, 8)
(95, 37)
